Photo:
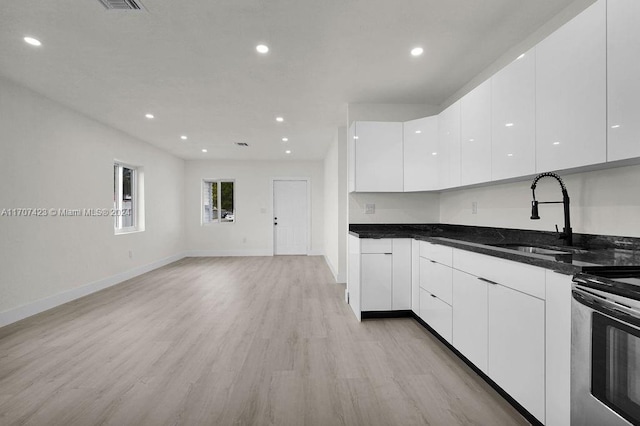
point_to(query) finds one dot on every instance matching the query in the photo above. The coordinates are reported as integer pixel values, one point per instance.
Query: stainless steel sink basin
(531, 249)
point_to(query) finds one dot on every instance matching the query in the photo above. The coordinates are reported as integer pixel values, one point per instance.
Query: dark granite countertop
(589, 252)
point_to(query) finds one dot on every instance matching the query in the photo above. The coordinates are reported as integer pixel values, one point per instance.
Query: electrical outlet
(369, 209)
(130, 254)
(474, 207)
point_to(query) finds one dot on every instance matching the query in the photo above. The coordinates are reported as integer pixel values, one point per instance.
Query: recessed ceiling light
(418, 131)
(417, 51)
(149, 116)
(32, 41)
(355, 137)
(287, 152)
(509, 155)
(285, 139)
(472, 140)
(183, 137)
(262, 48)
(204, 150)
(434, 153)
(556, 143)
(279, 119)
(508, 125)
(615, 126)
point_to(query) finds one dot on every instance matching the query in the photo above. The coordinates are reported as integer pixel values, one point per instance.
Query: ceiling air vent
(242, 144)
(121, 4)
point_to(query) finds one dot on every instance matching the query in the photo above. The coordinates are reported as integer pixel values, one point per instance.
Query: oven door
(605, 359)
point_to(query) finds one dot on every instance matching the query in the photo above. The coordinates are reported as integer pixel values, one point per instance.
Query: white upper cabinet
(421, 154)
(623, 69)
(378, 156)
(449, 146)
(513, 115)
(571, 93)
(475, 135)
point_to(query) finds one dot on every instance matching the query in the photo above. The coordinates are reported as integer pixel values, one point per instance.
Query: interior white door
(290, 217)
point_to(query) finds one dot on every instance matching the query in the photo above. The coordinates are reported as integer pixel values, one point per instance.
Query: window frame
(135, 203)
(218, 182)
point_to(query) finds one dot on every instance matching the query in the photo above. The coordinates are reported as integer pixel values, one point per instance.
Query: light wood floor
(262, 340)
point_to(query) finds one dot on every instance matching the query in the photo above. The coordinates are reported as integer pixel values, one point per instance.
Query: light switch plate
(369, 209)
(474, 207)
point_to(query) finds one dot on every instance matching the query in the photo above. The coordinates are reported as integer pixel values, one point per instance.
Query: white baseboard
(33, 308)
(333, 271)
(228, 253)
(340, 279)
(316, 252)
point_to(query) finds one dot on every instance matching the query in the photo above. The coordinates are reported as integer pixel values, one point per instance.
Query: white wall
(602, 202)
(54, 158)
(419, 207)
(252, 232)
(335, 205)
(331, 207)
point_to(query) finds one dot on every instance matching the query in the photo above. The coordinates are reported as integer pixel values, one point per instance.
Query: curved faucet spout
(567, 233)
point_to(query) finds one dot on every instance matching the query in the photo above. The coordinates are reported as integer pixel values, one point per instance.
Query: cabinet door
(513, 125)
(421, 166)
(436, 313)
(623, 85)
(470, 316)
(376, 278)
(415, 277)
(571, 93)
(475, 135)
(449, 146)
(516, 359)
(436, 279)
(379, 157)
(401, 283)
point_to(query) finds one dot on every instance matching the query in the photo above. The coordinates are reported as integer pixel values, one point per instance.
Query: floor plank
(243, 341)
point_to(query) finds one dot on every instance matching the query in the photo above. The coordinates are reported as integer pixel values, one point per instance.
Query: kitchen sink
(531, 249)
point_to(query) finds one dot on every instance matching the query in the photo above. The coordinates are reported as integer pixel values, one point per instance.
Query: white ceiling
(193, 63)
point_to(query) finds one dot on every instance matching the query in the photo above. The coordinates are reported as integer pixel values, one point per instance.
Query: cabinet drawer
(370, 245)
(436, 279)
(436, 313)
(518, 276)
(441, 254)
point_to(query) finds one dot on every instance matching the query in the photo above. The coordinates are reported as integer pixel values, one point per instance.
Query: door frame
(272, 209)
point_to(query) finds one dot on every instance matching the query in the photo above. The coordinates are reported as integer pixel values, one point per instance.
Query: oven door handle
(614, 309)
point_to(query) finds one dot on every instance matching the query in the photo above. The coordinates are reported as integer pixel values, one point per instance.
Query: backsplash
(604, 202)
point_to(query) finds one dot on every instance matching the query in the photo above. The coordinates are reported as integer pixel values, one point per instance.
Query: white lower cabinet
(385, 274)
(516, 359)
(436, 313)
(376, 276)
(499, 323)
(436, 279)
(401, 275)
(470, 317)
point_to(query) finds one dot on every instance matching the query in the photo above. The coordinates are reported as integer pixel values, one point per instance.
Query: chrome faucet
(567, 233)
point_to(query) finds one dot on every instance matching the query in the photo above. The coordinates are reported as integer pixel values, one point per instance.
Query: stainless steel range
(605, 348)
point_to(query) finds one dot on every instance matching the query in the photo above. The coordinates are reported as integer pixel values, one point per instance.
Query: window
(125, 198)
(218, 201)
